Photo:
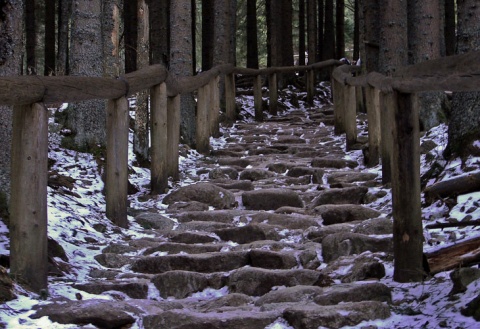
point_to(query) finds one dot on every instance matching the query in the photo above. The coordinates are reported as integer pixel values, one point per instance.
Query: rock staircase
(280, 229)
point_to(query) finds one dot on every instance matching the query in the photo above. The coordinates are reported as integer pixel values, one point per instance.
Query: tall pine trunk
(464, 125)
(340, 29)
(301, 32)
(159, 22)
(312, 30)
(329, 34)
(208, 40)
(49, 68)
(30, 36)
(252, 40)
(64, 13)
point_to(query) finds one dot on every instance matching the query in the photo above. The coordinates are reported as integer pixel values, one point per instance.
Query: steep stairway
(279, 228)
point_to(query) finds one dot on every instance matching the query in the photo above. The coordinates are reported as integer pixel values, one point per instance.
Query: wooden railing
(393, 129)
(28, 94)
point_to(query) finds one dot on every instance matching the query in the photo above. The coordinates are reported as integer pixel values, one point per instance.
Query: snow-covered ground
(76, 220)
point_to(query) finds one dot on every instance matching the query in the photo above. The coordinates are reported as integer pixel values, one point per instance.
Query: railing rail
(28, 94)
(393, 129)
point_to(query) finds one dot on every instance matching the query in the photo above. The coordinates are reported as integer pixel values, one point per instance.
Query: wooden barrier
(257, 95)
(273, 94)
(28, 231)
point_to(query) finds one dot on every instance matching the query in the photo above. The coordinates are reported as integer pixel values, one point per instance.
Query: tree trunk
(301, 32)
(64, 14)
(49, 68)
(320, 30)
(181, 62)
(130, 21)
(30, 36)
(252, 40)
(159, 23)
(340, 28)
(393, 36)
(329, 34)
(424, 44)
(141, 136)
(86, 120)
(208, 40)
(11, 46)
(312, 30)
(370, 12)
(464, 125)
(450, 26)
(356, 32)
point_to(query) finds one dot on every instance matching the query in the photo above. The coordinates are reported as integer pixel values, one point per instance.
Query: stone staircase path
(279, 227)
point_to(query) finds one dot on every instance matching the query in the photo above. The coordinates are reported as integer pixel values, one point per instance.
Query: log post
(407, 219)
(173, 131)
(159, 135)
(257, 95)
(310, 86)
(214, 115)
(273, 94)
(202, 132)
(230, 98)
(116, 183)
(388, 104)
(350, 111)
(338, 108)
(28, 200)
(373, 115)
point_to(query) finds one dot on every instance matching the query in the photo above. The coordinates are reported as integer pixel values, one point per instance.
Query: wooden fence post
(350, 111)
(310, 86)
(257, 95)
(388, 104)
(407, 219)
(373, 115)
(338, 108)
(28, 199)
(214, 115)
(273, 94)
(202, 131)
(159, 137)
(116, 183)
(173, 131)
(230, 106)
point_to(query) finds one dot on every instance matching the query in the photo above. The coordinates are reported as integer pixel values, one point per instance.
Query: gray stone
(100, 313)
(181, 284)
(280, 168)
(335, 316)
(176, 248)
(375, 226)
(248, 233)
(349, 177)
(294, 294)
(241, 185)
(348, 195)
(318, 234)
(354, 292)
(315, 173)
(113, 260)
(202, 226)
(234, 162)
(330, 162)
(150, 220)
(187, 206)
(230, 300)
(137, 290)
(223, 172)
(336, 214)
(220, 216)
(288, 221)
(254, 281)
(344, 244)
(272, 260)
(255, 174)
(462, 277)
(271, 199)
(176, 319)
(207, 193)
(116, 248)
(6, 286)
(203, 263)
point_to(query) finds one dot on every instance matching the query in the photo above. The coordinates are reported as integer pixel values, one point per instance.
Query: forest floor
(77, 222)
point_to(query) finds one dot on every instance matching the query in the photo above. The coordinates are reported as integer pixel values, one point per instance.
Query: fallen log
(453, 187)
(457, 224)
(462, 254)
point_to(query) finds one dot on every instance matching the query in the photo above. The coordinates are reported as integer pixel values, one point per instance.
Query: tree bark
(356, 32)
(301, 32)
(450, 27)
(424, 34)
(64, 14)
(252, 40)
(130, 21)
(208, 40)
(312, 30)
(329, 34)
(30, 36)
(340, 29)
(181, 62)
(159, 23)
(141, 135)
(320, 30)
(464, 126)
(49, 68)
(370, 12)
(86, 120)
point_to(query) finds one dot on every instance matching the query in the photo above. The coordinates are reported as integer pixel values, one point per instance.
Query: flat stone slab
(178, 319)
(295, 221)
(137, 290)
(335, 316)
(342, 213)
(176, 248)
(248, 233)
(271, 199)
(203, 263)
(349, 177)
(255, 174)
(347, 195)
(206, 193)
(330, 162)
